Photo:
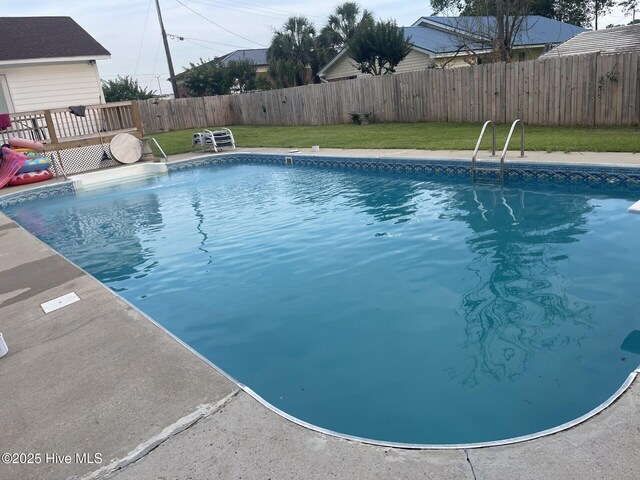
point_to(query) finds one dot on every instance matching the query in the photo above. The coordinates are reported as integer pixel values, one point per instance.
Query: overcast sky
(129, 28)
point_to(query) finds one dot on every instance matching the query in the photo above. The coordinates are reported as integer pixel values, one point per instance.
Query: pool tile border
(451, 168)
(45, 191)
(575, 173)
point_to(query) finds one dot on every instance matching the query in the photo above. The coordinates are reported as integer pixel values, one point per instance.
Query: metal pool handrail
(506, 145)
(474, 157)
(161, 150)
(493, 142)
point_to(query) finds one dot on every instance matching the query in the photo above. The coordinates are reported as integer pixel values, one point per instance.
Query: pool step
(487, 175)
(488, 169)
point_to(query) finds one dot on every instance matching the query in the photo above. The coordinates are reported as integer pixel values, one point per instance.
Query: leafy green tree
(123, 89)
(629, 7)
(263, 82)
(378, 47)
(241, 75)
(600, 8)
(206, 78)
(583, 13)
(575, 12)
(569, 11)
(211, 77)
(292, 56)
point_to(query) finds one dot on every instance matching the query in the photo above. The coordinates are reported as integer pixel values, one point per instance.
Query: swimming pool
(400, 307)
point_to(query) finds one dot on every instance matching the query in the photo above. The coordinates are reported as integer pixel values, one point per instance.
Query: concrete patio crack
(142, 450)
(466, 452)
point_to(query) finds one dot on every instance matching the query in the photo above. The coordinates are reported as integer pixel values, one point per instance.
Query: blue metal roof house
(459, 42)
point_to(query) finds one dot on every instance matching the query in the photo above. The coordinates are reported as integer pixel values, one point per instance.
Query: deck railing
(59, 128)
(78, 142)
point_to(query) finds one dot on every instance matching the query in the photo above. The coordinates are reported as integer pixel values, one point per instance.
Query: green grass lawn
(424, 136)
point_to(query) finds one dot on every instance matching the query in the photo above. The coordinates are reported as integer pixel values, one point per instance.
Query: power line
(217, 25)
(252, 7)
(239, 9)
(220, 52)
(144, 30)
(180, 37)
(155, 60)
(276, 10)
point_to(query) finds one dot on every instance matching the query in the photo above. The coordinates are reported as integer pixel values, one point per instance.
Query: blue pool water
(394, 307)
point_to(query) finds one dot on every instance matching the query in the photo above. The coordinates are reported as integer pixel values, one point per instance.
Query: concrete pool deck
(97, 377)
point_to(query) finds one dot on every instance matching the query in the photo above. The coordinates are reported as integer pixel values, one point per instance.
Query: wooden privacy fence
(573, 90)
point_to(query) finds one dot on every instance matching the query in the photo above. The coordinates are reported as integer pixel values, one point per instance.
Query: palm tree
(292, 54)
(342, 24)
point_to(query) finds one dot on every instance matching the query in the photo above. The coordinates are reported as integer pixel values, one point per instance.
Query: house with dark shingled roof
(48, 62)
(257, 56)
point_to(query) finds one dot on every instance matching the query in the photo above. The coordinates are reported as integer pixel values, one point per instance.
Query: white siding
(38, 87)
(344, 67)
(414, 61)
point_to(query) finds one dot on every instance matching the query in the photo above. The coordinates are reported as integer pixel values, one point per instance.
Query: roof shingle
(46, 37)
(610, 40)
(256, 55)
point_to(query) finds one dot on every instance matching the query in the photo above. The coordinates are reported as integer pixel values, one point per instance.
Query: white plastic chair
(213, 140)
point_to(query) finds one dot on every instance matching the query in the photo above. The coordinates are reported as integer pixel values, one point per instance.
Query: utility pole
(172, 74)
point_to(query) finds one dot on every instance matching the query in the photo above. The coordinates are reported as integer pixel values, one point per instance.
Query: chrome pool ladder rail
(164, 155)
(474, 157)
(506, 145)
(501, 169)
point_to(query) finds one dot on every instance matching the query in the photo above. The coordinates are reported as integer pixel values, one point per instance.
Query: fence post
(50, 128)
(53, 136)
(135, 116)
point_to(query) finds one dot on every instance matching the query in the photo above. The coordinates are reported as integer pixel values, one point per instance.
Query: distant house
(48, 62)
(459, 42)
(610, 40)
(258, 56)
